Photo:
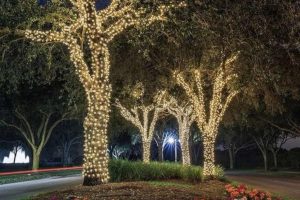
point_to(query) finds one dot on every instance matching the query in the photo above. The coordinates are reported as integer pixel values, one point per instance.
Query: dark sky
(292, 143)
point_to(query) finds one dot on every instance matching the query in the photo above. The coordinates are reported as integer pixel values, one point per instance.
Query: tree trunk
(209, 156)
(275, 159)
(185, 151)
(160, 151)
(35, 159)
(146, 151)
(95, 128)
(265, 161)
(15, 156)
(231, 158)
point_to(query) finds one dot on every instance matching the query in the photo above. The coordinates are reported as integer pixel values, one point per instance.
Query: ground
(158, 190)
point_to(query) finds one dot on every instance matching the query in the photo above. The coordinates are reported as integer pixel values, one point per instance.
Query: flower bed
(241, 192)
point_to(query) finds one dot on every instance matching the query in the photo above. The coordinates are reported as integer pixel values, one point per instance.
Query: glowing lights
(140, 116)
(171, 140)
(185, 116)
(97, 29)
(208, 122)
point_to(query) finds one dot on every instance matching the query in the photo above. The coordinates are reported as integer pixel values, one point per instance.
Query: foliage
(122, 170)
(241, 192)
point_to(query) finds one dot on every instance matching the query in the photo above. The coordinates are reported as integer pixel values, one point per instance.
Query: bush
(243, 193)
(122, 170)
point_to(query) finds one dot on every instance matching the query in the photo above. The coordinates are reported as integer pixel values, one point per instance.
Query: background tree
(234, 139)
(185, 116)
(36, 124)
(144, 117)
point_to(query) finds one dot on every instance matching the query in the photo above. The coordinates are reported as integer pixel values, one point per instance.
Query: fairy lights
(97, 30)
(140, 116)
(185, 116)
(208, 120)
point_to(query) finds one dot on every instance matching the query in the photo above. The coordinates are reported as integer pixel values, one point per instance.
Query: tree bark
(160, 151)
(146, 151)
(95, 129)
(35, 159)
(265, 161)
(209, 156)
(275, 159)
(185, 151)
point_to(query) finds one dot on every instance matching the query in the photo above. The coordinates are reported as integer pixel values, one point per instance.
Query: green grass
(35, 176)
(122, 170)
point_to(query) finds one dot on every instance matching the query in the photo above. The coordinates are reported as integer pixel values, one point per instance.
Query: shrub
(241, 192)
(122, 170)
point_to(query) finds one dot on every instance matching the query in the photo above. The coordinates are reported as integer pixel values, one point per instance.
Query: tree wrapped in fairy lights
(209, 117)
(144, 117)
(184, 113)
(87, 35)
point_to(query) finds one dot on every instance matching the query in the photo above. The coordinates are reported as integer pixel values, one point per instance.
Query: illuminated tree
(92, 30)
(185, 116)
(144, 118)
(209, 117)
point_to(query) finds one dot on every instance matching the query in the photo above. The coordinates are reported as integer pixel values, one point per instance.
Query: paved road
(16, 191)
(282, 186)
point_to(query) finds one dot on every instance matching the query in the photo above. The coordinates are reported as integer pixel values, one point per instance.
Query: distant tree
(36, 138)
(66, 140)
(234, 140)
(144, 117)
(185, 115)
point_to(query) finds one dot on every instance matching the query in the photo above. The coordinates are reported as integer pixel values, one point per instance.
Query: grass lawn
(39, 175)
(158, 190)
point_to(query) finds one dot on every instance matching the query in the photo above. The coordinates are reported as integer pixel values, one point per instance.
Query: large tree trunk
(146, 150)
(95, 129)
(209, 156)
(35, 159)
(160, 151)
(185, 151)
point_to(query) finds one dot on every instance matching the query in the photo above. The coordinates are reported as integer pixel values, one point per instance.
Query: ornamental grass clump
(122, 170)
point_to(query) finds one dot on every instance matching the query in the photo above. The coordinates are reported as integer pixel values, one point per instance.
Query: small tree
(144, 118)
(36, 138)
(233, 142)
(209, 117)
(279, 138)
(185, 116)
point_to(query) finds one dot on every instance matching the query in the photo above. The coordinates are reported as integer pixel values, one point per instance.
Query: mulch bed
(213, 190)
